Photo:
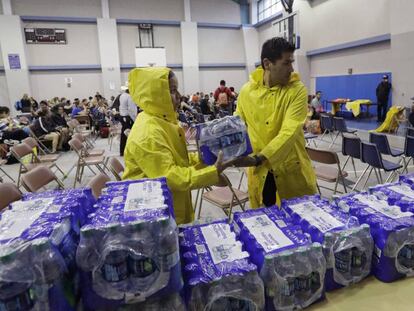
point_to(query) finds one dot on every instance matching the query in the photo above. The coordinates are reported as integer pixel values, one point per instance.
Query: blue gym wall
(355, 86)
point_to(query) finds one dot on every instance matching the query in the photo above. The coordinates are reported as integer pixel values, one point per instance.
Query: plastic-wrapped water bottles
(128, 250)
(38, 241)
(392, 230)
(292, 268)
(228, 134)
(217, 272)
(347, 244)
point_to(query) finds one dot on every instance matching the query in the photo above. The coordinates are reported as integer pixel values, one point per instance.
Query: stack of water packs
(128, 249)
(218, 274)
(391, 228)
(38, 241)
(228, 134)
(347, 245)
(292, 268)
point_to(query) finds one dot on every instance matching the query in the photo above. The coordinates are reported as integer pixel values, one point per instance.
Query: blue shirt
(75, 111)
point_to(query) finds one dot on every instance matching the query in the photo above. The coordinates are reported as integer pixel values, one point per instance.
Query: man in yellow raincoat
(274, 106)
(156, 145)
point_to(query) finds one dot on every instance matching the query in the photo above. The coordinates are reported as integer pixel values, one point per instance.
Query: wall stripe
(222, 65)
(131, 66)
(349, 45)
(60, 19)
(128, 21)
(219, 25)
(64, 67)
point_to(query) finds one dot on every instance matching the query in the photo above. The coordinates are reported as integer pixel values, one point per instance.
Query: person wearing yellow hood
(274, 106)
(156, 145)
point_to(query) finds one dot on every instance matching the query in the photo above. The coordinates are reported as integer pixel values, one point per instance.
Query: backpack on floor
(104, 132)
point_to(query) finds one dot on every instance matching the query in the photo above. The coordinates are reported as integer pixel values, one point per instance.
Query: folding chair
(328, 127)
(76, 127)
(33, 143)
(223, 197)
(40, 141)
(8, 193)
(341, 128)
(328, 173)
(97, 183)
(114, 131)
(116, 168)
(408, 151)
(2, 162)
(85, 161)
(371, 156)
(38, 178)
(351, 148)
(381, 140)
(20, 152)
(309, 137)
(93, 152)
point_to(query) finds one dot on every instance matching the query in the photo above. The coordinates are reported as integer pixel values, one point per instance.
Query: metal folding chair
(116, 168)
(97, 183)
(8, 194)
(328, 126)
(38, 178)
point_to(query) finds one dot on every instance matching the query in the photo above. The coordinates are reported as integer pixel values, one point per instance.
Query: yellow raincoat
(156, 145)
(275, 118)
(392, 119)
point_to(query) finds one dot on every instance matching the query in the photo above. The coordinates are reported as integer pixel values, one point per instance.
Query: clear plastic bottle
(14, 296)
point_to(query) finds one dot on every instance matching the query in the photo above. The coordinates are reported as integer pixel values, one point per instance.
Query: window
(267, 8)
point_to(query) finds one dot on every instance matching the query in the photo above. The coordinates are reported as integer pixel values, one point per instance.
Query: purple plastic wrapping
(129, 246)
(347, 244)
(392, 230)
(218, 274)
(228, 134)
(291, 266)
(38, 241)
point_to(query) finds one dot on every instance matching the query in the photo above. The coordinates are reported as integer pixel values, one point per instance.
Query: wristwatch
(258, 159)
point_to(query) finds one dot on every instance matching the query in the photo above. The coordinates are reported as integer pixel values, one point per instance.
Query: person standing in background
(383, 92)
(128, 112)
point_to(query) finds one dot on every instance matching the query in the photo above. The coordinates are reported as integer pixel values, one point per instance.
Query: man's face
(384, 80)
(44, 108)
(318, 95)
(175, 95)
(3, 115)
(281, 69)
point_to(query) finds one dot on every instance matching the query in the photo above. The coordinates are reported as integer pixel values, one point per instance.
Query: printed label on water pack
(22, 215)
(267, 234)
(382, 207)
(222, 244)
(316, 216)
(145, 195)
(404, 190)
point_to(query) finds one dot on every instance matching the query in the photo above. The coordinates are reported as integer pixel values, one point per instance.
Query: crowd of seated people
(48, 119)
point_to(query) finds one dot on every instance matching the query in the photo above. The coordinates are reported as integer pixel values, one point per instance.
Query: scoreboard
(45, 35)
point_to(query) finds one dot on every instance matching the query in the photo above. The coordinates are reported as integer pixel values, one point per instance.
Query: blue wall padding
(356, 86)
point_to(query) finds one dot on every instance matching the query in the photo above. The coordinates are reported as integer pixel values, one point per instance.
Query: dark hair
(222, 82)
(231, 88)
(43, 102)
(4, 109)
(273, 49)
(171, 74)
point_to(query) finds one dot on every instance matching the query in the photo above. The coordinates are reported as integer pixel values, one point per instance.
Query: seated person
(9, 129)
(59, 120)
(43, 109)
(317, 105)
(44, 128)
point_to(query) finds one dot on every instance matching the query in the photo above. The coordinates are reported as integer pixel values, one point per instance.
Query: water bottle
(87, 254)
(286, 296)
(14, 296)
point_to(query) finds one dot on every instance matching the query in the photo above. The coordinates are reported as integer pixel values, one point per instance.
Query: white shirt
(127, 107)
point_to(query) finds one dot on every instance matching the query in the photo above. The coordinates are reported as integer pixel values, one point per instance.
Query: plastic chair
(408, 151)
(340, 126)
(371, 155)
(309, 137)
(38, 178)
(97, 183)
(116, 168)
(327, 125)
(85, 161)
(328, 173)
(381, 140)
(223, 197)
(8, 193)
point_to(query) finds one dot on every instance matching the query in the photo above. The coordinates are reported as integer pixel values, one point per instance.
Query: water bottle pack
(347, 245)
(38, 241)
(128, 248)
(172, 302)
(292, 268)
(392, 230)
(228, 134)
(218, 274)
(399, 193)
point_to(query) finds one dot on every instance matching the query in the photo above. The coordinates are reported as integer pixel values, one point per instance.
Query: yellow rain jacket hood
(156, 145)
(274, 118)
